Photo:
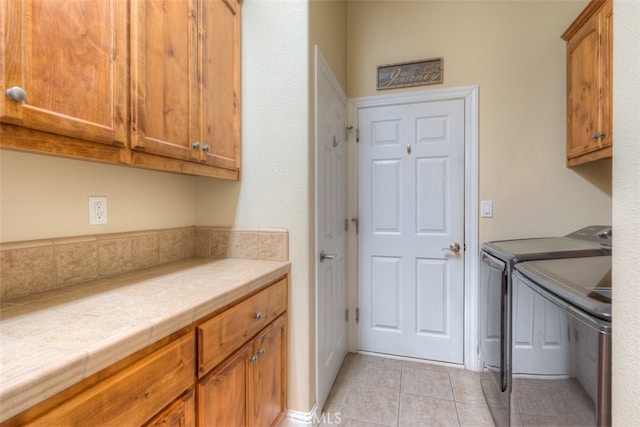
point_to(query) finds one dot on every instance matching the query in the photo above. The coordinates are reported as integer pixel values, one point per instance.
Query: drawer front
(134, 395)
(225, 333)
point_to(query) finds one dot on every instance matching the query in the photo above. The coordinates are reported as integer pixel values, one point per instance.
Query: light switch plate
(486, 209)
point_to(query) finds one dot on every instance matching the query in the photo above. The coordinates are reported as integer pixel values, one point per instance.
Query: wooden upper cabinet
(151, 83)
(69, 57)
(220, 82)
(589, 87)
(163, 78)
(185, 81)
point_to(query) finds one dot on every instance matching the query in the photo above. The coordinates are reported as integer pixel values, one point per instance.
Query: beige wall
(328, 30)
(46, 197)
(626, 213)
(514, 53)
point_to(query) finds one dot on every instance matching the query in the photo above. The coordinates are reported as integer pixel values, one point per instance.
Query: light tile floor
(375, 391)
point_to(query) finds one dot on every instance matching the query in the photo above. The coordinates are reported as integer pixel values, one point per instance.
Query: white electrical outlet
(97, 210)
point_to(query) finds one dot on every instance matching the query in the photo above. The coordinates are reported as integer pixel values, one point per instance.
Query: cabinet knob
(16, 93)
(206, 148)
(196, 145)
(598, 136)
(253, 359)
(257, 315)
(261, 352)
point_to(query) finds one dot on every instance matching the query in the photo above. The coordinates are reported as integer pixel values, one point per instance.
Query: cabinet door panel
(269, 374)
(222, 395)
(220, 70)
(584, 121)
(163, 77)
(70, 58)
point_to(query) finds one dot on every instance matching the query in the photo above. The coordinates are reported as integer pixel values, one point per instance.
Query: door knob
(453, 247)
(324, 256)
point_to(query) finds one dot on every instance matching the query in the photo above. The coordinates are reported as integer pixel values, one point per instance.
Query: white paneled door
(331, 292)
(411, 239)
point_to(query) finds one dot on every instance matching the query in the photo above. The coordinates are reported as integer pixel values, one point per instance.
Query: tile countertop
(52, 340)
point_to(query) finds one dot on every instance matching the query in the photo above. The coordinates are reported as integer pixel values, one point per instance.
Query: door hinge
(357, 315)
(357, 222)
(357, 134)
(346, 224)
(346, 315)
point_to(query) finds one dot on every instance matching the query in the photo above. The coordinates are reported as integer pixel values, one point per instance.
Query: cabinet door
(222, 395)
(606, 58)
(219, 54)
(70, 59)
(164, 77)
(268, 375)
(589, 97)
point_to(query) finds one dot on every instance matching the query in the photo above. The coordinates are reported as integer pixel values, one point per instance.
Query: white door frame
(471, 256)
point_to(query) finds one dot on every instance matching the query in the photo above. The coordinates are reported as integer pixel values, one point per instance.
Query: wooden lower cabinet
(166, 384)
(248, 388)
(132, 396)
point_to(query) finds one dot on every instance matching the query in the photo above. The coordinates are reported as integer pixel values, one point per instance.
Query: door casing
(471, 256)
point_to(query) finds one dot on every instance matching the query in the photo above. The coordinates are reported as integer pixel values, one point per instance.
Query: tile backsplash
(39, 265)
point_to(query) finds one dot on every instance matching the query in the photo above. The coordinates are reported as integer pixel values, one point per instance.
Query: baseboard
(297, 418)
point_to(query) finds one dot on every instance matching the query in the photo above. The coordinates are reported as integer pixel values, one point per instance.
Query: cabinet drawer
(225, 333)
(133, 395)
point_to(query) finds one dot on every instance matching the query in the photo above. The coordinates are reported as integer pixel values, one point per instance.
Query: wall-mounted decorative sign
(416, 73)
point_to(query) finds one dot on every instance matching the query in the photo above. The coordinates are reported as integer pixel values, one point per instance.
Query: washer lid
(583, 282)
(520, 250)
